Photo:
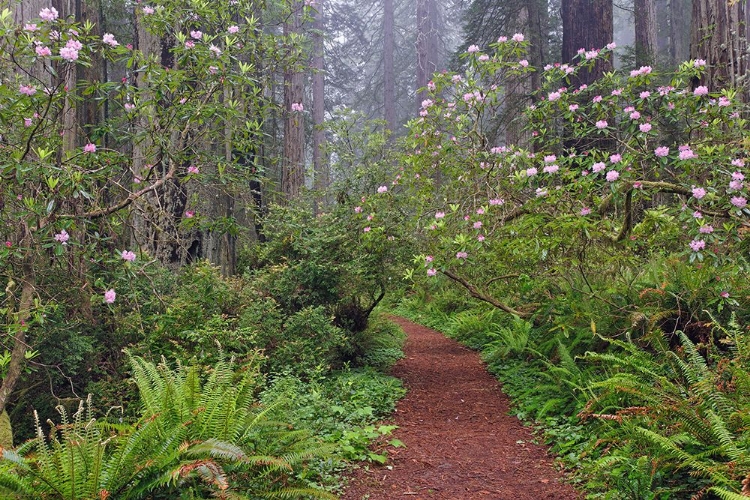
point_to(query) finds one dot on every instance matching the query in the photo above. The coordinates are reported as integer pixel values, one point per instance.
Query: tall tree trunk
(293, 174)
(645, 32)
(389, 74)
(320, 163)
(715, 39)
(587, 24)
(538, 14)
(426, 44)
(680, 13)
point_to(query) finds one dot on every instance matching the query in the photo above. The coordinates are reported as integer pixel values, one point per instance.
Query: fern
(211, 438)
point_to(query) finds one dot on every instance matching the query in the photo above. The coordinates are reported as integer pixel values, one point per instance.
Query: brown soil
(461, 444)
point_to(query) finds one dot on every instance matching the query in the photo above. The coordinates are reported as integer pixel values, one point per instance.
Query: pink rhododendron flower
(109, 39)
(89, 148)
(68, 53)
(585, 211)
(473, 49)
(550, 159)
(598, 167)
(597, 98)
(613, 175)
(698, 193)
(687, 154)
(298, 107)
(551, 169)
(197, 35)
(497, 201)
(382, 189)
(461, 255)
(148, 10)
(110, 296)
(439, 215)
(431, 271)
(128, 256)
(738, 162)
(190, 214)
(189, 44)
(724, 295)
(216, 51)
(518, 37)
(573, 107)
(367, 229)
(478, 225)
(523, 63)
(483, 58)
(697, 245)
(738, 201)
(502, 39)
(129, 106)
(644, 127)
(27, 90)
(357, 210)
(531, 172)
(615, 158)
(30, 27)
(480, 211)
(736, 185)
(48, 14)
(601, 124)
(192, 169)
(700, 90)
(699, 63)
(553, 96)
(429, 258)
(27, 122)
(707, 229)
(738, 176)
(635, 115)
(42, 51)
(62, 237)
(661, 151)
(645, 94)
(233, 29)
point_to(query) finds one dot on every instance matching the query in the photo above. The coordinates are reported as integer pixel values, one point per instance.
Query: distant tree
(645, 32)
(389, 84)
(293, 173)
(320, 164)
(587, 24)
(427, 47)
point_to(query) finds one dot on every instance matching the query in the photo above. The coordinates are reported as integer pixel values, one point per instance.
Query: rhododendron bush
(68, 185)
(611, 186)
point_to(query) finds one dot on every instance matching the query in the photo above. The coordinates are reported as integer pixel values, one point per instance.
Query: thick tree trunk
(715, 39)
(293, 174)
(645, 32)
(680, 13)
(320, 163)
(587, 24)
(389, 74)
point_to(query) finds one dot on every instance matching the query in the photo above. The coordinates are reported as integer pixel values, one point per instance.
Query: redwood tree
(715, 39)
(587, 24)
(645, 32)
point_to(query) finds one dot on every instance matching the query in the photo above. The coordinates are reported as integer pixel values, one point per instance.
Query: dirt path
(461, 442)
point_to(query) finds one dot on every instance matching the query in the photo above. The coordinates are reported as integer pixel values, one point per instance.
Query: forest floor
(461, 443)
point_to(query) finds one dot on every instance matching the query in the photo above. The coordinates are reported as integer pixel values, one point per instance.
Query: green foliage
(194, 437)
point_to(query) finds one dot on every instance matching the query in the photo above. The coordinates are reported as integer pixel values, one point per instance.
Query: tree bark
(645, 32)
(679, 30)
(293, 174)
(426, 45)
(320, 163)
(715, 29)
(389, 75)
(587, 24)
